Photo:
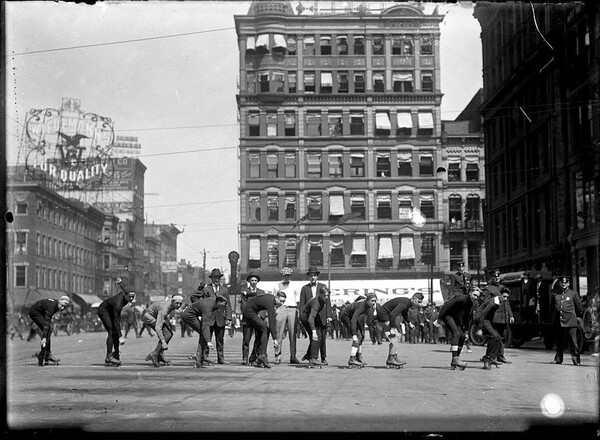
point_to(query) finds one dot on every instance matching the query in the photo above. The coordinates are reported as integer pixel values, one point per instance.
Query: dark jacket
(45, 309)
(223, 313)
(306, 294)
(566, 306)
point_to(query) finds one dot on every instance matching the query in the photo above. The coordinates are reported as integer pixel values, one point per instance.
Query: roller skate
(314, 363)
(207, 363)
(324, 362)
(305, 357)
(359, 358)
(252, 360)
(354, 363)
(392, 362)
(161, 358)
(262, 362)
(51, 359)
(277, 360)
(153, 357)
(112, 361)
(456, 362)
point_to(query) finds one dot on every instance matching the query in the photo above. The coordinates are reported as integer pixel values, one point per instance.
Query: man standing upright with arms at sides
(222, 315)
(566, 308)
(41, 314)
(287, 314)
(309, 291)
(109, 313)
(459, 282)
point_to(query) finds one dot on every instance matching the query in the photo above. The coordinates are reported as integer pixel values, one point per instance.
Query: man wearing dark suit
(309, 291)
(247, 329)
(220, 317)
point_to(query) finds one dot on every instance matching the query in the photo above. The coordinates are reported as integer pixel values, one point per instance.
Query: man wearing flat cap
(566, 308)
(311, 290)
(221, 316)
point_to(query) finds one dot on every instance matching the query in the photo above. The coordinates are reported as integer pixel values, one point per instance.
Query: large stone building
(340, 145)
(542, 126)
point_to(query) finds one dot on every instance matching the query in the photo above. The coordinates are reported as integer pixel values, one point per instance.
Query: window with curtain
(262, 43)
(315, 250)
(279, 44)
(426, 46)
(291, 45)
(378, 81)
(325, 44)
(21, 243)
(358, 205)
(455, 210)
(336, 248)
(290, 206)
(403, 82)
(405, 164)
(396, 45)
(254, 253)
(292, 80)
(359, 82)
(290, 164)
(358, 255)
(273, 207)
(427, 207)
(313, 164)
(378, 45)
(358, 44)
(425, 123)
(357, 164)
(427, 81)
(472, 172)
(472, 209)
(263, 80)
(404, 123)
(405, 206)
(309, 45)
(425, 164)
(313, 123)
(385, 252)
(253, 123)
(407, 47)
(254, 207)
(342, 44)
(290, 251)
(454, 171)
(290, 123)
(272, 166)
(315, 204)
(336, 205)
(334, 121)
(342, 82)
(336, 166)
(250, 45)
(407, 252)
(384, 167)
(326, 82)
(251, 82)
(254, 165)
(309, 82)
(277, 81)
(357, 123)
(271, 123)
(384, 206)
(382, 123)
(273, 251)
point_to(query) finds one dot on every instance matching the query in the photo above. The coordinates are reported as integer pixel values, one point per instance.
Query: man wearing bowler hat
(566, 307)
(221, 316)
(309, 291)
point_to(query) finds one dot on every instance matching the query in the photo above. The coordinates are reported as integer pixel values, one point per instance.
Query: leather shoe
(556, 362)
(294, 361)
(503, 360)
(223, 362)
(324, 362)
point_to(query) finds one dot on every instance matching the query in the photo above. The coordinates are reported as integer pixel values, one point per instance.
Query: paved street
(425, 396)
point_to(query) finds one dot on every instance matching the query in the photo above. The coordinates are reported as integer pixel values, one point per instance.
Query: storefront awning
(88, 299)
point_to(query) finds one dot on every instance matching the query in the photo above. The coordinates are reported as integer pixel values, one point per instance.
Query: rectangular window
(254, 165)
(359, 44)
(272, 207)
(313, 164)
(309, 82)
(106, 262)
(21, 243)
(427, 81)
(379, 82)
(336, 205)
(271, 124)
(427, 243)
(336, 249)
(290, 164)
(397, 46)
(426, 46)
(315, 250)
(425, 164)
(357, 165)
(277, 81)
(251, 82)
(336, 168)
(290, 206)
(358, 255)
(407, 47)
(425, 124)
(472, 172)
(357, 205)
(315, 210)
(455, 252)
(21, 208)
(385, 253)
(454, 172)
(455, 210)
(405, 164)
(263, 80)
(334, 121)
(254, 207)
(342, 44)
(20, 276)
(359, 82)
(403, 82)
(291, 45)
(272, 166)
(309, 45)
(313, 123)
(273, 251)
(292, 79)
(382, 123)
(325, 44)
(254, 253)
(262, 43)
(290, 251)
(250, 45)
(405, 206)
(253, 123)
(407, 253)
(326, 82)
(290, 123)
(378, 45)
(384, 167)
(404, 123)
(357, 123)
(427, 208)
(342, 82)
(384, 206)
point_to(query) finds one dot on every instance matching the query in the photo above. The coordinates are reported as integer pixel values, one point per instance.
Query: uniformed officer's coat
(566, 306)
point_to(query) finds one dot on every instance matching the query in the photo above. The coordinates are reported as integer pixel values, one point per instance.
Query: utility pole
(204, 266)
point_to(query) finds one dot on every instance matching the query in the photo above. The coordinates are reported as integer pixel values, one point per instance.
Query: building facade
(541, 124)
(340, 142)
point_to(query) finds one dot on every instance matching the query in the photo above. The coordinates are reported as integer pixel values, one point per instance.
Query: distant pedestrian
(109, 313)
(41, 314)
(566, 305)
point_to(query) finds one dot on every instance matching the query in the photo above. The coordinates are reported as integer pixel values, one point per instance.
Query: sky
(167, 73)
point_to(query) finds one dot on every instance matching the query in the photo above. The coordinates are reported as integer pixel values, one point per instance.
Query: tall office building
(340, 136)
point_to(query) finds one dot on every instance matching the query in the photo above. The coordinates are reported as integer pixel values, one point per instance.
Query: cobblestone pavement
(426, 396)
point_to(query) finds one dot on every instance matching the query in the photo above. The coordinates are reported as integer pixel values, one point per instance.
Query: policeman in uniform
(566, 306)
(459, 284)
(493, 289)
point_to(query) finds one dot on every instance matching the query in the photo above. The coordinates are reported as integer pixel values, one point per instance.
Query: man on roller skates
(156, 317)
(351, 318)
(41, 314)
